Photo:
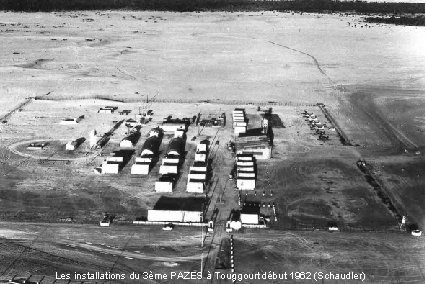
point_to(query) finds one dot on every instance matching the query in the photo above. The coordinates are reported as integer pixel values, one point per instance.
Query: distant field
(323, 6)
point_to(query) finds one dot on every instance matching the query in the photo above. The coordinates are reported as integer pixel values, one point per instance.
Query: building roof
(253, 142)
(199, 164)
(152, 143)
(177, 144)
(133, 137)
(252, 208)
(168, 177)
(180, 203)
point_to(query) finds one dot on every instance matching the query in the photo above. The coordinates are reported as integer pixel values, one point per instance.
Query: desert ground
(67, 64)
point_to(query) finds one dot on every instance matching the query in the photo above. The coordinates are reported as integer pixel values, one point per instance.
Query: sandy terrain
(371, 79)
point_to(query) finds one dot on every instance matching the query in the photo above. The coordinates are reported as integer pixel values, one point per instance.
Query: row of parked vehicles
(316, 125)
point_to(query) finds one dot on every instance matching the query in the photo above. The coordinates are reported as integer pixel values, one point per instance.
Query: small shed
(240, 129)
(246, 183)
(105, 110)
(250, 214)
(245, 157)
(72, 145)
(245, 164)
(197, 175)
(144, 159)
(202, 147)
(199, 167)
(140, 168)
(241, 174)
(173, 126)
(72, 120)
(195, 185)
(168, 169)
(110, 167)
(200, 156)
(165, 183)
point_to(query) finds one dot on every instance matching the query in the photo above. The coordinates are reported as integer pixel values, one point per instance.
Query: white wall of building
(246, 184)
(140, 169)
(169, 169)
(249, 218)
(195, 187)
(109, 168)
(174, 216)
(163, 186)
(126, 144)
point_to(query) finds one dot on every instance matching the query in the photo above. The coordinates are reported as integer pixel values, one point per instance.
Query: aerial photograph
(212, 141)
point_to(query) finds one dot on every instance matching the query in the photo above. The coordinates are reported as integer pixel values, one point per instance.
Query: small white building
(249, 169)
(70, 146)
(245, 157)
(173, 126)
(238, 123)
(245, 164)
(68, 121)
(245, 174)
(240, 129)
(197, 175)
(179, 133)
(199, 167)
(110, 167)
(105, 110)
(250, 214)
(165, 183)
(246, 183)
(163, 186)
(168, 169)
(200, 156)
(144, 159)
(140, 168)
(114, 159)
(126, 143)
(201, 147)
(170, 160)
(195, 185)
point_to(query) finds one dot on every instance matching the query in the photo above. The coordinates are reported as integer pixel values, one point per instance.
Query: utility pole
(202, 237)
(201, 266)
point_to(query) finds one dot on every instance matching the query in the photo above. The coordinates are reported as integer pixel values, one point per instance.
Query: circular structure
(416, 233)
(49, 149)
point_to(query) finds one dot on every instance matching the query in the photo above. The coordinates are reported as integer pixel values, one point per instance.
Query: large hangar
(178, 209)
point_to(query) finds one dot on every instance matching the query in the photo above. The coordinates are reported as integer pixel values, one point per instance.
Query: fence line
(188, 224)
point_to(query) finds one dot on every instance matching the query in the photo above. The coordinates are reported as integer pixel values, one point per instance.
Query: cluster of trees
(319, 6)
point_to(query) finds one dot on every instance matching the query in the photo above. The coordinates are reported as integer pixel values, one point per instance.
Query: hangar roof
(180, 203)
